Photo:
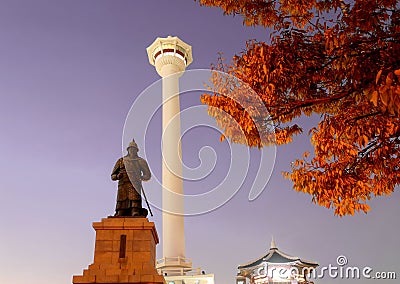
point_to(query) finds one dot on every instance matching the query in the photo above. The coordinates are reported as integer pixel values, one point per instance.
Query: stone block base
(124, 253)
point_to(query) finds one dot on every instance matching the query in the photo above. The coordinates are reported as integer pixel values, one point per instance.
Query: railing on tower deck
(174, 261)
(180, 272)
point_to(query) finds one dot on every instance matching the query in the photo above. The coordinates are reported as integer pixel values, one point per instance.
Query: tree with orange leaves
(338, 59)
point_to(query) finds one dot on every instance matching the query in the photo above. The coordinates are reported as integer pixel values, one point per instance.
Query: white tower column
(172, 202)
(170, 56)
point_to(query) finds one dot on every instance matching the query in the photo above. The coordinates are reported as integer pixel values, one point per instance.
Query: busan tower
(171, 56)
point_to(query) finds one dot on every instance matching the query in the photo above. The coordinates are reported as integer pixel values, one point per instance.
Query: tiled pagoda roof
(274, 255)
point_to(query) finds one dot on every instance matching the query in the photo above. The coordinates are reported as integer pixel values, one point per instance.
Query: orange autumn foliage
(338, 59)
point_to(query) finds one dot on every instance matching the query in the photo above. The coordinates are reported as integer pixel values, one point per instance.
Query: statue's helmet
(133, 145)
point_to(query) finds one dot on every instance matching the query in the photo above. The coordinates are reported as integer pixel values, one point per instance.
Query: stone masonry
(124, 252)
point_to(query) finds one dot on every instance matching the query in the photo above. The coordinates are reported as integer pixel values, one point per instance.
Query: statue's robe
(132, 172)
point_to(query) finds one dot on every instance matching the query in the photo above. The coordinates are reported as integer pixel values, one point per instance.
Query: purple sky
(69, 74)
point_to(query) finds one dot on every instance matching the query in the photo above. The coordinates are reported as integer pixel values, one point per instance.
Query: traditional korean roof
(274, 255)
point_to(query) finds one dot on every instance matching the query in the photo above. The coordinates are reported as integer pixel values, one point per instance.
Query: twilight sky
(70, 71)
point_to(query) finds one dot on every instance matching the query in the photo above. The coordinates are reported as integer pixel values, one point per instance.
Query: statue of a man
(130, 171)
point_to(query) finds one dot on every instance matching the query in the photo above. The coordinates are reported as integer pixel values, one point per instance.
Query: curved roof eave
(281, 259)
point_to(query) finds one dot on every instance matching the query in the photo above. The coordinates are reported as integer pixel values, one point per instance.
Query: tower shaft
(172, 195)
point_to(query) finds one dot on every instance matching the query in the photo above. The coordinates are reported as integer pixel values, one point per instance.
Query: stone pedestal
(125, 252)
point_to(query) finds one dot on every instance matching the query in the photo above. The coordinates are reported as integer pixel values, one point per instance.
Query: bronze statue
(130, 171)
